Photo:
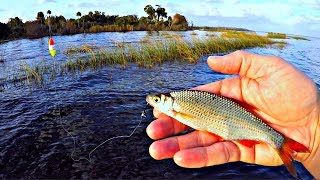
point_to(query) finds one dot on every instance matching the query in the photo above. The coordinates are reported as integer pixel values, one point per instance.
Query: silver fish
(226, 118)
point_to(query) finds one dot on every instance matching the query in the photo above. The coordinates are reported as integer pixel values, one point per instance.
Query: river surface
(48, 131)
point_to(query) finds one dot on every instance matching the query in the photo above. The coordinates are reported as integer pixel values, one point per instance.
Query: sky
(299, 17)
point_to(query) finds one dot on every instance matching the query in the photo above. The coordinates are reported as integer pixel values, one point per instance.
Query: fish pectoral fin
(179, 115)
(187, 119)
(247, 142)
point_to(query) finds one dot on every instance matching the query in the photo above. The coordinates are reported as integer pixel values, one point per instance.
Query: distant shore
(205, 28)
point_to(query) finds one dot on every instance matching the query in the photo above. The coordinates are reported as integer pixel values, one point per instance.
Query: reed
(153, 52)
(80, 49)
(299, 38)
(276, 35)
(281, 44)
(33, 74)
(193, 34)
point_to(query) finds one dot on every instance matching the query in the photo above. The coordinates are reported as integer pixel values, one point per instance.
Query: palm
(277, 92)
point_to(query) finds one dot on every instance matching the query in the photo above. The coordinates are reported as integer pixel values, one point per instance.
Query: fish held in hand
(221, 116)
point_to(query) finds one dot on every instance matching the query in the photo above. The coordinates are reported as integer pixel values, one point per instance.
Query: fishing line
(107, 140)
(69, 133)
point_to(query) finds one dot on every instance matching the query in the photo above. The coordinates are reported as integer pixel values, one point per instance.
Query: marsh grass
(281, 44)
(33, 74)
(276, 35)
(210, 35)
(80, 49)
(150, 53)
(193, 34)
(299, 38)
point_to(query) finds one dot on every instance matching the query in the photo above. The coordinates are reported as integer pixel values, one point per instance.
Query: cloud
(83, 5)
(312, 4)
(46, 1)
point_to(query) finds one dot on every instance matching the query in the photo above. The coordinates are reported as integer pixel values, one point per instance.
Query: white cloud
(45, 1)
(83, 5)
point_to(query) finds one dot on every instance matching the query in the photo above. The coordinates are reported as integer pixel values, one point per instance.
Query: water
(97, 105)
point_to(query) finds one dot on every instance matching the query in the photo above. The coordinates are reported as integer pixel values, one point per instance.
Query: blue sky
(301, 17)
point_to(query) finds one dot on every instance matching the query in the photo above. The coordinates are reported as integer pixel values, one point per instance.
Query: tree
(4, 31)
(49, 13)
(161, 12)
(179, 21)
(40, 17)
(71, 27)
(169, 21)
(127, 20)
(33, 29)
(150, 11)
(90, 14)
(17, 27)
(79, 15)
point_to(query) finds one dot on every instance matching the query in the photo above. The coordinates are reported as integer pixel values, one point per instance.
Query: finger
(224, 152)
(217, 153)
(166, 148)
(164, 127)
(244, 63)
(230, 88)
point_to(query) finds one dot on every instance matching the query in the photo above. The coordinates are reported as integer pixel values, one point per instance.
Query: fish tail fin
(285, 152)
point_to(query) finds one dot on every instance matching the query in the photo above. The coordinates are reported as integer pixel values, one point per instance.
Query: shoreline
(204, 28)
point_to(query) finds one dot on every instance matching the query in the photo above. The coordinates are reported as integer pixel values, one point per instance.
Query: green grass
(276, 35)
(80, 49)
(149, 53)
(299, 38)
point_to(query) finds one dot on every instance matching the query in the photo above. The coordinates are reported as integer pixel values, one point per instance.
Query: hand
(280, 94)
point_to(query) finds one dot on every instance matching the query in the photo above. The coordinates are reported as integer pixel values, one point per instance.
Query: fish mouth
(148, 99)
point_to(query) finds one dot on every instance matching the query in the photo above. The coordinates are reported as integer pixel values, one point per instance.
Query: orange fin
(248, 143)
(286, 150)
(295, 146)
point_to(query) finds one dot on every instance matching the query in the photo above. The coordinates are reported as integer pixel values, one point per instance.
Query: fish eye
(156, 99)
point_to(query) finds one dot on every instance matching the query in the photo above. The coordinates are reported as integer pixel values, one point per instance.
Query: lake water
(47, 131)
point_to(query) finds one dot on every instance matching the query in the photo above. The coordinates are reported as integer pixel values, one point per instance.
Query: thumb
(240, 62)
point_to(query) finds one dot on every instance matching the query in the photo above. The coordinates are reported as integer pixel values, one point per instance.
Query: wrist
(313, 161)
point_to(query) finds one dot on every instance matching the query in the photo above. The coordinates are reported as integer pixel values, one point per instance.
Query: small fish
(224, 117)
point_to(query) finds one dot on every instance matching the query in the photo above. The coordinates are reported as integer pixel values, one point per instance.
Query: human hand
(277, 92)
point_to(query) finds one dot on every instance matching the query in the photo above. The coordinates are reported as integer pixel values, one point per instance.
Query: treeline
(92, 22)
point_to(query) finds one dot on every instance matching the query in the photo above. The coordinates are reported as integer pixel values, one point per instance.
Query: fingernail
(213, 59)
(178, 158)
(153, 151)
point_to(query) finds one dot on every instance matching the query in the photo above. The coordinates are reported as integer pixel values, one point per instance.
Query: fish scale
(224, 117)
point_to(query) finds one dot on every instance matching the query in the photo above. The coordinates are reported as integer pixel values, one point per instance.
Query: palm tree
(79, 14)
(161, 12)
(40, 17)
(150, 11)
(49, 13)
